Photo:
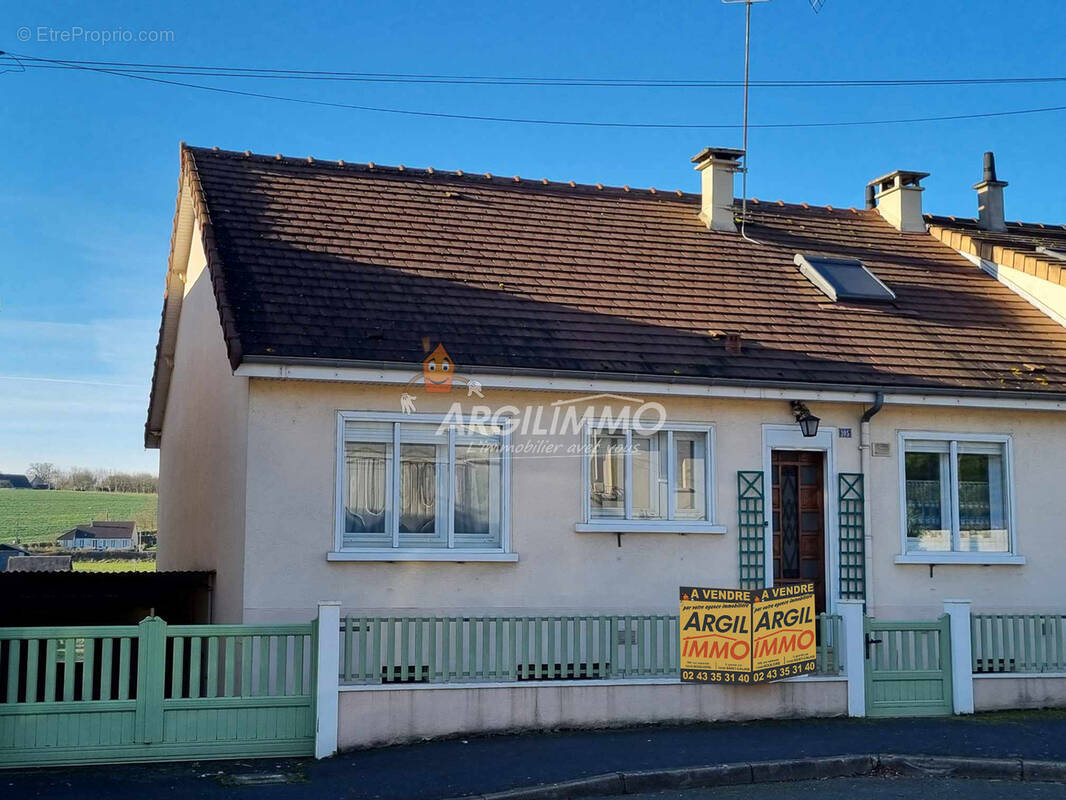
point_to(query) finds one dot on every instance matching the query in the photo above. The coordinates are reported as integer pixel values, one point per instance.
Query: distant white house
(101, 535)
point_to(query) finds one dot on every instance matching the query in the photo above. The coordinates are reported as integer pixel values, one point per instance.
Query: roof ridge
(492, 179)
(433, 172)
(1036, 226)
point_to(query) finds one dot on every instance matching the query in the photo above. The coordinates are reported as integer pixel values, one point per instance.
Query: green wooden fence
(155, 692)
(410, 649)
(1018, 642)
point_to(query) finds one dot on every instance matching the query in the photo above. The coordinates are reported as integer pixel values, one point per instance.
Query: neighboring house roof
(315, 261)
(13, 481)
(14, 548)
(1016, 247)
(39, 564)
(106, 529)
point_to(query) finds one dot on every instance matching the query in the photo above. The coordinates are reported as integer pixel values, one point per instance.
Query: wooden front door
(799, 520)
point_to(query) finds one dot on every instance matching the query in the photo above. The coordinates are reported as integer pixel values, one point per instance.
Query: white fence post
(961, 655)
(854, 651)
(327, 678)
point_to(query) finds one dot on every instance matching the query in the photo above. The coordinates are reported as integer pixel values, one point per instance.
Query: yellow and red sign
(739, 636)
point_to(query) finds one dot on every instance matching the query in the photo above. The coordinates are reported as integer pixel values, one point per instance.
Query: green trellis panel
(852, 525)
(751, 513)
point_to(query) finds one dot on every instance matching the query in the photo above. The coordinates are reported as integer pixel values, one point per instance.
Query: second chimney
(716, 166)
(898, 198)
(990, 214)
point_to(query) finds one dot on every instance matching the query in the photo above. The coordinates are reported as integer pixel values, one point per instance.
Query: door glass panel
(790, 561)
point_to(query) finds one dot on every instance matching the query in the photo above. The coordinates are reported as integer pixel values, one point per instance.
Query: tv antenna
(744, 137)
(816, 6)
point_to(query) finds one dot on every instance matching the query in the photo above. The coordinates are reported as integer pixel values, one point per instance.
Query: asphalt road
(456, 767)
(870, 789)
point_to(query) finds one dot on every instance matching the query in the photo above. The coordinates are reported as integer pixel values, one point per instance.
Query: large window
(420, 487)
(956, 495)
(657, 481)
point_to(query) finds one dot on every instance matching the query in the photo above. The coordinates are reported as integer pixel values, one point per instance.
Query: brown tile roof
(1015, 247)
(315, 260)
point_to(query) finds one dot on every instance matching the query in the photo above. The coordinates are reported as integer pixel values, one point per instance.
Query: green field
(40, 516)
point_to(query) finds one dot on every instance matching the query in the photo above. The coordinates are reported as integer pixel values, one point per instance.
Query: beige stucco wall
(384, 716)
(203, 449)
(291, 505)
(1002, 692)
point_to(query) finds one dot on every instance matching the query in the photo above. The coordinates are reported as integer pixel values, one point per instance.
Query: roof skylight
(843, 278)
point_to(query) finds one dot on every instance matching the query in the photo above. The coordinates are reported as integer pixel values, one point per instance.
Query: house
(101, 535)
(10, 551)
(40, 483)
(428, 392)
(14, 481)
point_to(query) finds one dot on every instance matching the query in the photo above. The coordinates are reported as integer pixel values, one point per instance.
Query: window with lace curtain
(417, 486)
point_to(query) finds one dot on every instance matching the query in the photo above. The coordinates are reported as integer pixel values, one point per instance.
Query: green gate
(154, 692)
(908, 668)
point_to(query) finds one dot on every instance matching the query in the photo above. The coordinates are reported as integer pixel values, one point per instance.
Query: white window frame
(397, 553)
(1012, 555)
(626, 523)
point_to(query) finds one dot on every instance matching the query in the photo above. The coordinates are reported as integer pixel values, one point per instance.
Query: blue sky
(90, 161)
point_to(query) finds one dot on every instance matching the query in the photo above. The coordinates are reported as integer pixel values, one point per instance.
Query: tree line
(84, 479)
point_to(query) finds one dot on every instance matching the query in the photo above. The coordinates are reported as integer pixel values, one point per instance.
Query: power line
(549, 122)
(144, 68)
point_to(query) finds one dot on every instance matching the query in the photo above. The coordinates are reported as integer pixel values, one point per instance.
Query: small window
(843, 278)
(956, 496)
(649, 478)
(421, 487)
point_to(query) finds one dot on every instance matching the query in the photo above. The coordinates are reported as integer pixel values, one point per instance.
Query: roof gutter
(361, 371)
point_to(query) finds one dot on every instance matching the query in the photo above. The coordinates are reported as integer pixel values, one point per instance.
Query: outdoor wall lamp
(807, 421)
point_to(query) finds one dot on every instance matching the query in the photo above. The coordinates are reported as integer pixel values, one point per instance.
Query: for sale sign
(783, 632)
(715, 635)
(738, 636)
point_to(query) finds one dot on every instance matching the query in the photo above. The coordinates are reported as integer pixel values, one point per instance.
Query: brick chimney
(990, 197)
(898, 198)
(716, 166)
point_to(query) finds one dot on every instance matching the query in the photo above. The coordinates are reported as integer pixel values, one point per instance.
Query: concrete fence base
(375, 715)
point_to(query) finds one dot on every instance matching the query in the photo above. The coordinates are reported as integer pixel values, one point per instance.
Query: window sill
(391, 554)
(641, 526)
(986, 559)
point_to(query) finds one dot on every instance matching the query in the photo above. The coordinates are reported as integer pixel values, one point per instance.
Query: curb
(799, 769)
